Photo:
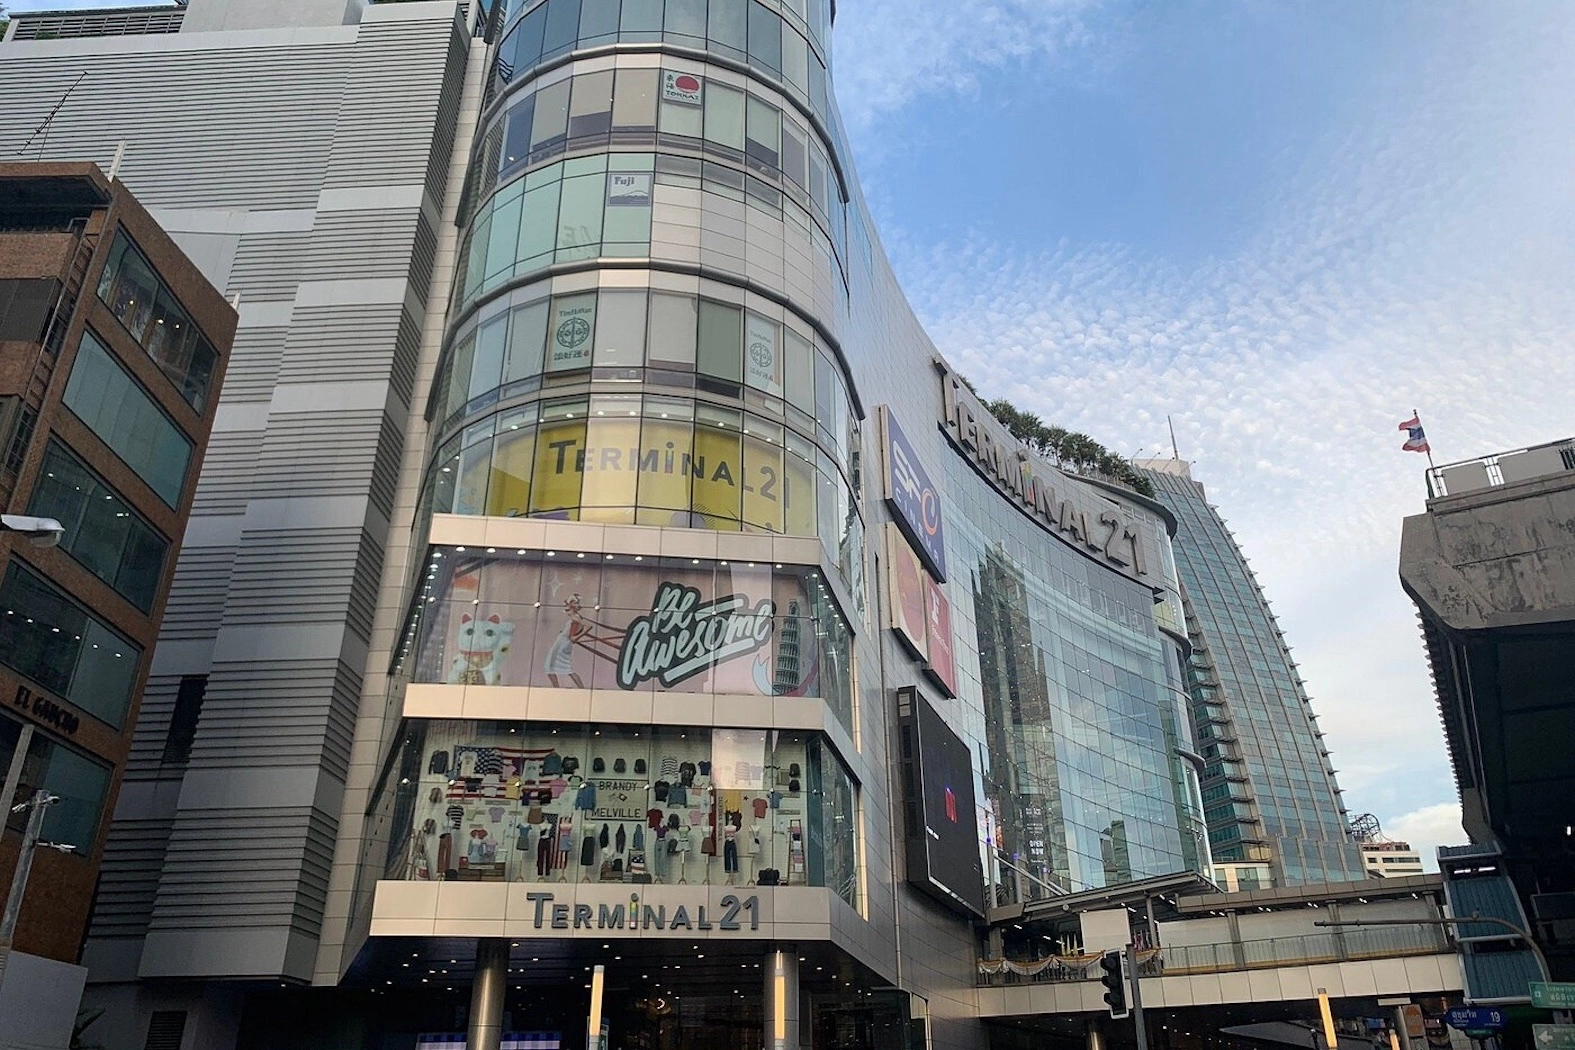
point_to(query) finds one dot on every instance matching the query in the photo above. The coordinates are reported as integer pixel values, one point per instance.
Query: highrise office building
(1273, 809)
(597, 566)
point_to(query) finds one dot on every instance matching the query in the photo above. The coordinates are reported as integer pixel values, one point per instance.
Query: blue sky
(1286, 225)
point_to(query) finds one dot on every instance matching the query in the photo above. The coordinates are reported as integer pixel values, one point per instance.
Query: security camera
(40, 532)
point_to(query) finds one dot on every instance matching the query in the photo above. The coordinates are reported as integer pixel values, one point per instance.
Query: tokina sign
(736, 914)
(682, 636)
(913, 497)
(1092, 524)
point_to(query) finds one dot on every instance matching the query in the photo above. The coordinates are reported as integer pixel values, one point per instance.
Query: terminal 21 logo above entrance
(913, 497)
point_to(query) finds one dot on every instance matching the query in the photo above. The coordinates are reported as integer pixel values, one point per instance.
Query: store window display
(525, 802)
(571, 620)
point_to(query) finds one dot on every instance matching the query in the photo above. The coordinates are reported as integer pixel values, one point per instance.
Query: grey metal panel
(129, 877)
(226, 471)
(270, 714)
(306, 575)
(254, 364)
(268, 265)
(196, 603)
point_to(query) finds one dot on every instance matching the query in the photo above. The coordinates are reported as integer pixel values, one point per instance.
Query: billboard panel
(941, 813)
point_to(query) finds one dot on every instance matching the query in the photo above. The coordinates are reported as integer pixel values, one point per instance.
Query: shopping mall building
(597, 566)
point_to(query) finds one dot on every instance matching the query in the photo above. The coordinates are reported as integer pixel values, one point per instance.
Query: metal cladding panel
(312, 149)
(204, 128)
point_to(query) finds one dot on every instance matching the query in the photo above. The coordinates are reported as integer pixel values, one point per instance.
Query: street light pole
(39, 803)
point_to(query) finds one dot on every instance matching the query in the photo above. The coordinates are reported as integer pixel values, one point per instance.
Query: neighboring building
(112, 350)
(1491, 567)
(1269, 790)
(596, 565)
(1388, 860)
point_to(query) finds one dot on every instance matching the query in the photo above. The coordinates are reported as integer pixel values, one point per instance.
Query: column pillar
(781, 999)
(485, 1031)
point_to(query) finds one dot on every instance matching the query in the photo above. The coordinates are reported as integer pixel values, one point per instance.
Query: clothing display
(552, 765)
(544, 856)
(585, 798)
(455, 814)
(603, 839)
(637, 841)
(619, 840)
(660, 789)
(759, 805)
(730, 849)
(588, 851)
(445, 851)
(653, 818)
(438, 763)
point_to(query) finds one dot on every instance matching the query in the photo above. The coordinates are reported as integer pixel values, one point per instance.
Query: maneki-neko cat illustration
(479, 647)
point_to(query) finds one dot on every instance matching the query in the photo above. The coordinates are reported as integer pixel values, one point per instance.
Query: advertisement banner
(573, 321)
(629, 189)
(762, 361)
(912, 496)
(684, 88)
(905, 579)
(574, 624)
(938, 636)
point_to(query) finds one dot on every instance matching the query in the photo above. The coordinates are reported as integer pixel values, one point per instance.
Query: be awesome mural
(592, 621)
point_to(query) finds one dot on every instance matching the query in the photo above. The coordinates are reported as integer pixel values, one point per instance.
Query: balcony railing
(1503, 468)
(1231, 956)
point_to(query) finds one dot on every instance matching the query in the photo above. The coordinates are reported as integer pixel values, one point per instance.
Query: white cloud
(1414, 258)
(1428, 828)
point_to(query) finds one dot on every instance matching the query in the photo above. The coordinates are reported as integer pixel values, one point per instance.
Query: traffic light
(1113, 975)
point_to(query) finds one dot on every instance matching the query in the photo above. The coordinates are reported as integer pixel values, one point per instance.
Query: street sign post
(1553, 1036)
(1475, 1018)
(1553, 995)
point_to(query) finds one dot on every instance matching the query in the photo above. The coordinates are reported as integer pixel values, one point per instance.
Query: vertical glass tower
(1270, 798)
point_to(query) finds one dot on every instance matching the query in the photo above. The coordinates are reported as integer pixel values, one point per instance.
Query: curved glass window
(781, 42)
(766, 361)
(484, 801)
(661, 107)
(632, 624)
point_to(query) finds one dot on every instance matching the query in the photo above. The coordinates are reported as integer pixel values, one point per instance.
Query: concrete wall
(38, 1002)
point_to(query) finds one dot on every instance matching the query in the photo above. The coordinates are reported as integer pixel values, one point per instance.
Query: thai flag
(1416, 439)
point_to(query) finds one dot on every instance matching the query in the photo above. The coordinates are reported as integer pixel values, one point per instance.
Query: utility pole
(39, 804)
(1138, 1024)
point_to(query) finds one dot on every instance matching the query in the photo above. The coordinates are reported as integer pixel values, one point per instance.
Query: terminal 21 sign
(1067, 508)
(913, 497)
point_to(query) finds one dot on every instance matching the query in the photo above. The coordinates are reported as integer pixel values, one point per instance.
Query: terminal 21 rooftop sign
(1096, 526)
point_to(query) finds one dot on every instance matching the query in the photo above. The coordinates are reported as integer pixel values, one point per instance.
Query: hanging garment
(604, 838)
(552, 765)
(760, 808)
(653, 818)
(445, 852)
(455, 814)
(488, 762)
(544, 855)
(565, 836)
(669, 768)
(522, 837)
(638, 841)
(661, 789)
(678, 795)
(495, 814)
(585, 798)
(588, 852)
(730, 851)
(620, 840)
(438, 763)
(476, 850)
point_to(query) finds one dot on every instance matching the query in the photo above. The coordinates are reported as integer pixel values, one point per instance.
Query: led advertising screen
(941, 815)
(913, 498)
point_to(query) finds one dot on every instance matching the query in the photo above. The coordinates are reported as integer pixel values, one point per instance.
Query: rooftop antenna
(1171, 424)
(43, 129)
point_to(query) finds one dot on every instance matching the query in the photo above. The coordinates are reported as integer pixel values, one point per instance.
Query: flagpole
(1418, 416)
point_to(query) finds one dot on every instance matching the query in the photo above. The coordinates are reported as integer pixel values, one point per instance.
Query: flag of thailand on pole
(1416, 438)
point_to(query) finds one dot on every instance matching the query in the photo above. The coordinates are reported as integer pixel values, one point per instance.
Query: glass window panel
(527, 338)
(627, 231)
(476, 254)
(612, 457)
(798, 361)
(81, 784)
(505, 221)
(141, 565)
(679, 118)
(599, 23)
(763, 353)
(538, 227)
(763, 480)
(763, 137)
(667, 429)
(728, 29)
(817, 180)
(718, 465)
(674, 320)
(551, 123)
(569, 332)
(765, 38)
(634, 104)
(823, 393)
(560, 460)
(563, 25)
(580, 217)
(459, 366)
(475, 469)
(818, 101)
(590, 110)
(444, 477)
(799, 492)
(486, 369)
(527, 44)
(620, 330)
(795, 153)
(724, 116)
(105, 397)
(721, 345)
(686, 22)
(642, 20)
(795, 60)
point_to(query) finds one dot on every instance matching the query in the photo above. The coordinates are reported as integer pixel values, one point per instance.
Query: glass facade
(1081, 705)
(1269, 790)
(528, 802)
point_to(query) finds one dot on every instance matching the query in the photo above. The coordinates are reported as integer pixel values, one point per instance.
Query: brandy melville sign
(683, 636)
(735, 913)
(1099, 527)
